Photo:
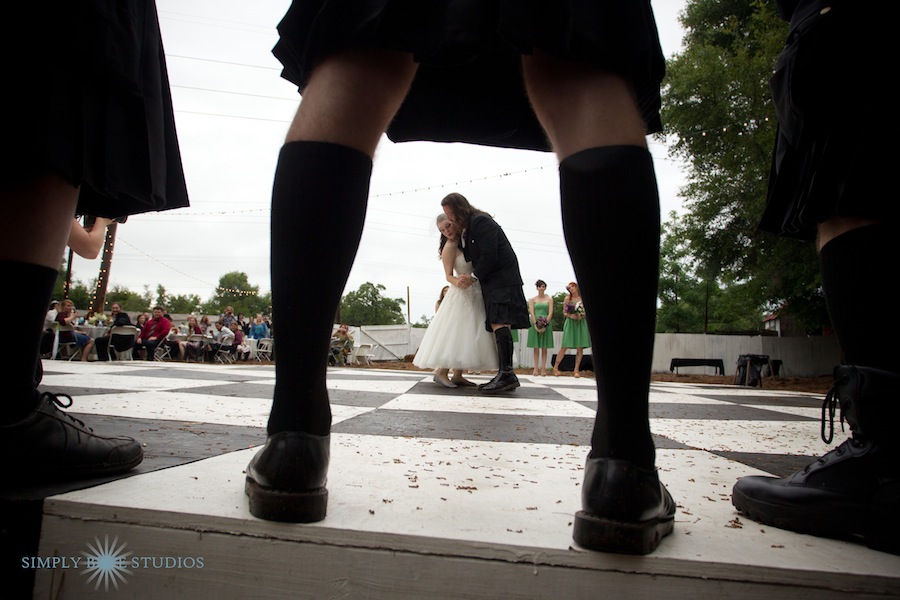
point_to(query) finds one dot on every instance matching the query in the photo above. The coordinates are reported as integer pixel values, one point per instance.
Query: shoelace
(829, 407)
(55, 399)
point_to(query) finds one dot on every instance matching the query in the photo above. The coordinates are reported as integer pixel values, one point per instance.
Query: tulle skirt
(456, 338)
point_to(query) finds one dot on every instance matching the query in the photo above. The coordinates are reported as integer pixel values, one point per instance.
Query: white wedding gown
(456, 337)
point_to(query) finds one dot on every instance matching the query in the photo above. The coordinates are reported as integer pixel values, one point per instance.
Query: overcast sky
(232, 110)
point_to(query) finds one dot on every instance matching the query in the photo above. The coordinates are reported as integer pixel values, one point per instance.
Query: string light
(180, 272)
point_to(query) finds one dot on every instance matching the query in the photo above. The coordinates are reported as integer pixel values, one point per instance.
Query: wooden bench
(717, 363)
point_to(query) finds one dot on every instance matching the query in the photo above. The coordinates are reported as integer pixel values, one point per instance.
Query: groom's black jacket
(485, 245)
(497, 268)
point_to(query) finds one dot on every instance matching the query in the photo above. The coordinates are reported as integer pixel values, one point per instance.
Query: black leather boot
(625, 508)
(853, 490)
(505, 380)
(316, 183)
(50, 445)
(286, 478)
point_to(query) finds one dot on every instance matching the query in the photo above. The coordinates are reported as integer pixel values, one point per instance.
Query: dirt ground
(815, 385)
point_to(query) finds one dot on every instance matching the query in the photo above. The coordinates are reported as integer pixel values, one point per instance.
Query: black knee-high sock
(318, 208)
(857, 276)
(610, 209)
(504, 341)
(33, 285)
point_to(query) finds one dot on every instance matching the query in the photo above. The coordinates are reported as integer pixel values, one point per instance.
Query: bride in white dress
(456, 337)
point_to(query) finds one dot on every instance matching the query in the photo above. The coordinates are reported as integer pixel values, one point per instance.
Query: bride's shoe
(443, 382)
(461, 382)
(534, 373)
(577, 374)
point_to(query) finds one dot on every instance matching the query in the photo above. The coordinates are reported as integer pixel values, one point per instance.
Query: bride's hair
(440, 219)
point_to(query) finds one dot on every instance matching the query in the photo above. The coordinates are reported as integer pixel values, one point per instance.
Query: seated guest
(121, 343)
(172, 341)
(259, 329)
(221, 339)
(189, 348)
(239, 348)
(228, 317)
(341, 345)
(67, 315)
(48, 335)
(153, 333)
(244, 322)
(207, 327)
(50, 319)
(139, 323)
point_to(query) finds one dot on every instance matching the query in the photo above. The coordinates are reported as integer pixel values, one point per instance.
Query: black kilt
(89, 99)
(469, 84)
(830, 157)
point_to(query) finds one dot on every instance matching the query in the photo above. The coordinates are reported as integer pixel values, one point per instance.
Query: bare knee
(581, 106)
(836, 226)
(352, 97)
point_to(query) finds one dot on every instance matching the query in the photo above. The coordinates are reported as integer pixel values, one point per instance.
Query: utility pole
(99, 299)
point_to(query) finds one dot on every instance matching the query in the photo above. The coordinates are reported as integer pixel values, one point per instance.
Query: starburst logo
(106, 563)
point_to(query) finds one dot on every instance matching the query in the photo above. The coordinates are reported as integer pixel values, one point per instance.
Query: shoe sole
(288, 507)
(605, 535)
(40, 473)
(875, 527)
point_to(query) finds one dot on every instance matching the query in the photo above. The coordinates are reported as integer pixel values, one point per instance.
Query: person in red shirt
(153, 333)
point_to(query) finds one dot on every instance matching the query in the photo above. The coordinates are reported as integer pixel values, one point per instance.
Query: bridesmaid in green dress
(575, 330)
(540, 338)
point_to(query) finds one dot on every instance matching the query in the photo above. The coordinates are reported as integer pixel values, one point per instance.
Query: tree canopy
(235, 290)
(367, 306)
(718, 113)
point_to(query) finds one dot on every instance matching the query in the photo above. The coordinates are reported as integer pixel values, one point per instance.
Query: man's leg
(38, 439)
(505, 380)
(321, 187)
(610, 203)
(852, 490)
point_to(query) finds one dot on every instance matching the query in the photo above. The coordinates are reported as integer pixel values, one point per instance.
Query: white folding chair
(71, 348)
(264, 349)
(163, 351)
(363, 354)
(199, 352)
(224, 354)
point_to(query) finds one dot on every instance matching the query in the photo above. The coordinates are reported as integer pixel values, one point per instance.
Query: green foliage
(130, 301)
(680, 293)
(697, 301)
(177, 304)
(558, 317)
(717, 108)
(234, 290)
(367, 306)
(423, 322)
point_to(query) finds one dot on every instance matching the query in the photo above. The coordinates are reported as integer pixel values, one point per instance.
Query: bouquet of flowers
(575, 310)
(541, 323)
(97, 319)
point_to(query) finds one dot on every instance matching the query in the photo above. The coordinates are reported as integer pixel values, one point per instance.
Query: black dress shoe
(625, 508)
(51, 445)
(504, 382)
(286, 478)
